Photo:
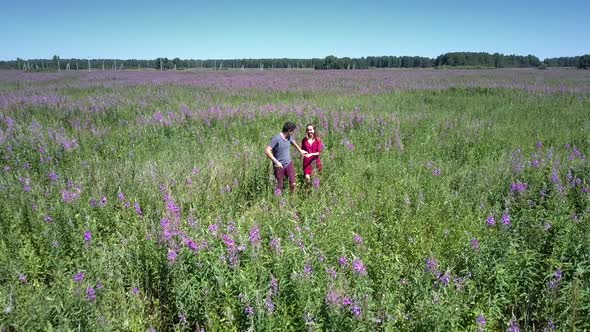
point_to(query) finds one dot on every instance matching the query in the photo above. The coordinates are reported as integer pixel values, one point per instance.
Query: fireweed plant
(450, 200)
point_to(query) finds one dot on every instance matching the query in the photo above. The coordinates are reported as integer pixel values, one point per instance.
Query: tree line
(452, 59)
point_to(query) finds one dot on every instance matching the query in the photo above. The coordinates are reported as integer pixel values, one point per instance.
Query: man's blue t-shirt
(281, 149)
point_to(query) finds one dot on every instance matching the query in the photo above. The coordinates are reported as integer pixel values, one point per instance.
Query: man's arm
(303, 152)
(268, 152)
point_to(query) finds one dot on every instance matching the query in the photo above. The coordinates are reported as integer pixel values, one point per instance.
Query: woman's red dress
(309, 162)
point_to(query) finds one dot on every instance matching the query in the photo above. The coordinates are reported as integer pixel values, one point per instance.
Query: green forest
(453, 59)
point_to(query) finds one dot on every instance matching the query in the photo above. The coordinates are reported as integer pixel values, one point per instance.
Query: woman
(312, 143)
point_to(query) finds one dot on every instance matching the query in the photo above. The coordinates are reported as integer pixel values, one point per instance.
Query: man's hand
(278, 164)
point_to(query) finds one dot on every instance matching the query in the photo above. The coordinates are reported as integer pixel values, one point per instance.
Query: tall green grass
(426, 171)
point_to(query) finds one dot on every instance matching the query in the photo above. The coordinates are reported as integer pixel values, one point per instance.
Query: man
(279, 151)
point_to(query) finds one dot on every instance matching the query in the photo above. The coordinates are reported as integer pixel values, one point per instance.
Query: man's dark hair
(289, 126)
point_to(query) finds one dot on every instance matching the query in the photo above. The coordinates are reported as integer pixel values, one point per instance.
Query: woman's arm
(320, 148)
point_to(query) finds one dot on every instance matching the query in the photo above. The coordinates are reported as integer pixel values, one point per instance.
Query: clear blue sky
(224, 29)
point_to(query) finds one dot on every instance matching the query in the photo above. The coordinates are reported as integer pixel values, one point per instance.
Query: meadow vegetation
(449, 201)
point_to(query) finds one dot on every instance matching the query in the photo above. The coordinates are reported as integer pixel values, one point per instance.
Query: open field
(450, 200)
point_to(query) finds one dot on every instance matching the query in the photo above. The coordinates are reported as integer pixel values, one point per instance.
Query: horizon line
(291, 58)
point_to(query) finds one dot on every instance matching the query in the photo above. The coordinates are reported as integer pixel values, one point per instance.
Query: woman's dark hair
(289, 126)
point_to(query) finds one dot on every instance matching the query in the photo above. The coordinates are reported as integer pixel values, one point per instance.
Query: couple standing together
(278, 150)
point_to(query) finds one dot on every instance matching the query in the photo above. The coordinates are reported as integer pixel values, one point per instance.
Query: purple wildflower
(78, 277)
(48, 218)
(359, 267)
(167, 231)
(138, 209)
(53, 177)
(343, 261)
(70, 196)
(506, 220)
(90, 294)
(25, 182)
(356, 310)
(213, 228)
(191, 221)
(445, 279)
(348, 144)
(554, 177)
(231, 226)
(481, 322)
(358, 239)
(172, 256)
(346, 301)
(460, 282)
(278, 192)
(491, 221)
(172, 208)
(513, 326)
(275, 244)
(474, 244)
(518, 187)
(274, 285)
(270, 306)
(121, 196)
(87, 236)
(307, 270)
(22, 278)
(331, 272)
(249, 311)
(332, 298)
(554, 282)
(315, 183)
(436, 171)
(255, 235)
(431, 265)
(229, 242)
(135, 291)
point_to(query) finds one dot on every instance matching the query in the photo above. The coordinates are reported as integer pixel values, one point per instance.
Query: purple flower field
(339, 81)
(449, 200)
